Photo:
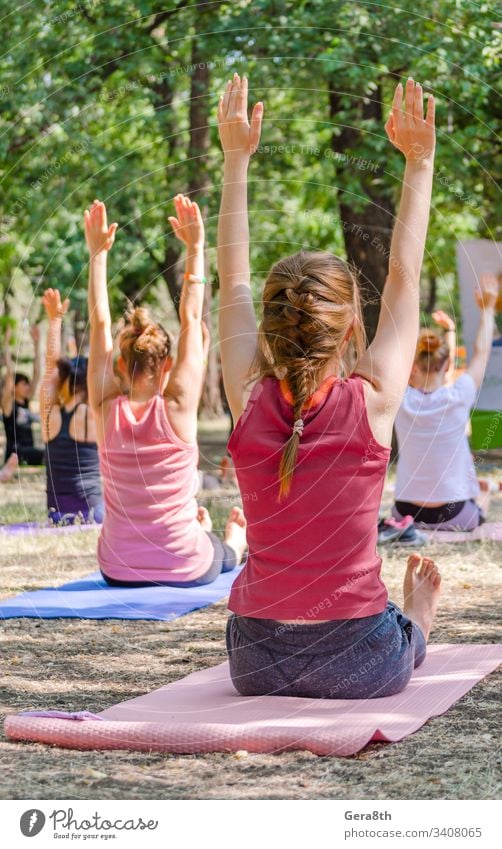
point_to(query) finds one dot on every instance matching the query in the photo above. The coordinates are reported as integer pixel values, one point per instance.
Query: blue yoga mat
(92, 598)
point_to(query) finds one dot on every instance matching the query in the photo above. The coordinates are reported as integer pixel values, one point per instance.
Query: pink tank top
(313, 556)
(150, 530)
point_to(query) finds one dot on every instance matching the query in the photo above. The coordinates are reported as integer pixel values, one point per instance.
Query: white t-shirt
(435, 463)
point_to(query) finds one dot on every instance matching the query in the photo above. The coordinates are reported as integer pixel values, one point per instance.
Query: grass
(80, 664)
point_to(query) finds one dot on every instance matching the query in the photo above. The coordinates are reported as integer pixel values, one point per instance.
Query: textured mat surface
(92, 598)
(203, 713)
(40, 529)
(490, 530)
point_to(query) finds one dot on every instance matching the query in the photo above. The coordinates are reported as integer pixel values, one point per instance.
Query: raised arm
(7, 397)
(99, 237)
(486, 297)
(237, 321)
(448, 324)
(387, 362)
(54, 310)
(185, 381)
(35, 335)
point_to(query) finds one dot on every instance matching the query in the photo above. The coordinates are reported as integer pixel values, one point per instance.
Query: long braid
(311, 319)
(300, 389)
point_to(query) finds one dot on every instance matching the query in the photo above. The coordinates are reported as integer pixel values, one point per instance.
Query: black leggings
(27, 454)
(224, 560)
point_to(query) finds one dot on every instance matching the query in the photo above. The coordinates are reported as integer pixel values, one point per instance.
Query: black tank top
(17, 426)
(73, 478)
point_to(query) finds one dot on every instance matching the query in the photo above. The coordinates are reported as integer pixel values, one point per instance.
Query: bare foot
(9, 470)
(421, 590)
(235, 532)
(205, 519)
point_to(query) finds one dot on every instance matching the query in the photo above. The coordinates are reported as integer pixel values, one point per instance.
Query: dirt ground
(78, 664)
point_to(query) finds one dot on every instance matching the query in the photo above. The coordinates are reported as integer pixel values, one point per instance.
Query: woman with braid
(313, 412)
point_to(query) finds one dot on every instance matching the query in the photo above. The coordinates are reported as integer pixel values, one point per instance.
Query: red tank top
(312, 556)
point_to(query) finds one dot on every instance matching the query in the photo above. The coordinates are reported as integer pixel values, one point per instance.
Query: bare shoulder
(381, 409)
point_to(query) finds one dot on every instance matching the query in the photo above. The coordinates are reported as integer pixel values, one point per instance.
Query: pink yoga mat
(203, 713)
(490, 530)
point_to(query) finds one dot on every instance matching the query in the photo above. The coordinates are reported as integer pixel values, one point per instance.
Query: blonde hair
(432, 351)
(143, 343)
(311, 313)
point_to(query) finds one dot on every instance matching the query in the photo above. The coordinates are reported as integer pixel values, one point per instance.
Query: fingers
(418, 103)
(226, 98)
(397, 101)
(409, 97)
(234, 96)
(196, 213)
(101, 214)
(175, 224)
(256, 122)
(390, 128)
(431, 110)
(242, 96)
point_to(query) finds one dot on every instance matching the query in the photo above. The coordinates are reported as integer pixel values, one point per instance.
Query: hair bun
(143, 343)
(429, 342)
(138, 319)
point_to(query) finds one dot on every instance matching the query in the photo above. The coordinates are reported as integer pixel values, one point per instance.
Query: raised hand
(237, 135)
(98, 235)
(443, 319)
(187, 226)
(51, 301)
(35, 333)
(487, 294)
(408, 131)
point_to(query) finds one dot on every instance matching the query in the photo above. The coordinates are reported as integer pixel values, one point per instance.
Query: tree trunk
(367, 227)
(431, 300)
(367, 237)
(199, 185)
(162, 98)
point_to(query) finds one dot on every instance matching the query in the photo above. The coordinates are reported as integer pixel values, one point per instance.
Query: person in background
(153, 533)
(436, 481)
(72, 459)
(17, 392)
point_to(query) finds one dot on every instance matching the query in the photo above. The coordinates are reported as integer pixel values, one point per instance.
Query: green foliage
(95, 100)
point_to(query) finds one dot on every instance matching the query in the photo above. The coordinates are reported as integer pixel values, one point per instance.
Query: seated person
(17, 392)
(73, 476)
(436, 480)
(153, 532)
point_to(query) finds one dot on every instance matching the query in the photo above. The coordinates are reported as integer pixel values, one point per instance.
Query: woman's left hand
(51, 301)
(188, 225)
(443, 319)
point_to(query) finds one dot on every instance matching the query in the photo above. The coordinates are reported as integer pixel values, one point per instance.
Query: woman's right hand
(487, 294)
(51, 301)
(238, 137)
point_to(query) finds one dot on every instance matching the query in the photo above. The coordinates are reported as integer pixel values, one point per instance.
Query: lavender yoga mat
(92, 598)
(489, 531)
(203, 713)
(39, 528)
